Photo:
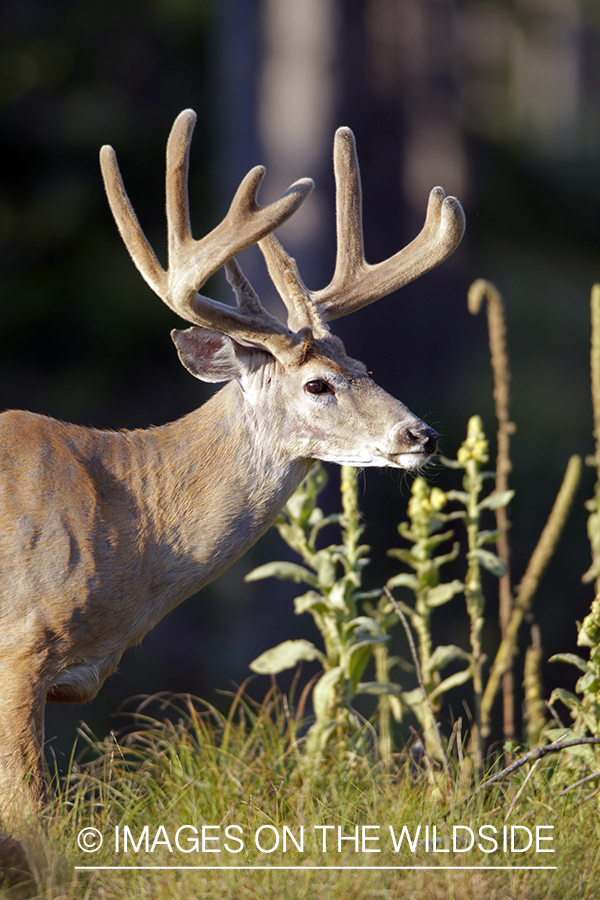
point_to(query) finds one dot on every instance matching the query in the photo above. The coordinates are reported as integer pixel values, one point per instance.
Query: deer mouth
(412, 459)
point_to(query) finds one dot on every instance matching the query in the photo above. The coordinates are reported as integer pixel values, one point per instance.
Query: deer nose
(423, 438)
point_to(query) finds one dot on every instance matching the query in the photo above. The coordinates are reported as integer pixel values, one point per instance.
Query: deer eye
(318, 386)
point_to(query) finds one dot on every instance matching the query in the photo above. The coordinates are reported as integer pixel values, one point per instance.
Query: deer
(107, 531)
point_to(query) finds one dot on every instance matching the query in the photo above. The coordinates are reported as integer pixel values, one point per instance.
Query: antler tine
(283, 271)
(355, 283)
(178, 159)
(192, 262)
(350, 257)
(130, 230)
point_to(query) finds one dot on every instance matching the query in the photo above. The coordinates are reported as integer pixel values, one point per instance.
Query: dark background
(498, 101)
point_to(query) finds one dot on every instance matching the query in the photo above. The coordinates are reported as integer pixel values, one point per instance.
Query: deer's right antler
(192, 262)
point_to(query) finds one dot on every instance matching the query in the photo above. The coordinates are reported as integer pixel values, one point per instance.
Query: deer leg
(22, 781)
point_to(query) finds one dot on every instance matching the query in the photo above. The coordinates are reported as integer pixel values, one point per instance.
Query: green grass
(247, 770)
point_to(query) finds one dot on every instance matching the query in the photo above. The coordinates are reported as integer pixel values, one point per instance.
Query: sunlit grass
(243, 779)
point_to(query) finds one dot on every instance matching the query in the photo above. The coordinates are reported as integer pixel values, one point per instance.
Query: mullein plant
(585, 710)
(426, 535)
(424, 531)
(333, 576)
(471, 457)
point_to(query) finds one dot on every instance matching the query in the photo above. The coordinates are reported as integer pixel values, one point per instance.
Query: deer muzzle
(410, 445)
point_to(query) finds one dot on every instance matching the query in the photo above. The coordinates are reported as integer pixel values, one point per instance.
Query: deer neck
(211, 484)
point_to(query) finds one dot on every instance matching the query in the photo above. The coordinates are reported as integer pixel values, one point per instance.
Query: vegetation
(334, 575)
(191, 801)
(240, 778)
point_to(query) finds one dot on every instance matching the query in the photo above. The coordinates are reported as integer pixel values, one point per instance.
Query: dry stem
(538, 562)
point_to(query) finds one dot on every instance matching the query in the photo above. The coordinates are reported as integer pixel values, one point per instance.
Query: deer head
(332, 409)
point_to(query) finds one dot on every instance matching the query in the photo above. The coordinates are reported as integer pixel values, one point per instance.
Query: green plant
(585, 710)
(424, 534)
(426, 520)
(333, 575)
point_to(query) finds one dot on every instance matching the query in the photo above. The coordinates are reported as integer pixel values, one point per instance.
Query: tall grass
(196, 768)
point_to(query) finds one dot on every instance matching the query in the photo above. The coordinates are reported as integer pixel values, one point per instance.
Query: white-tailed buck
(105, 532)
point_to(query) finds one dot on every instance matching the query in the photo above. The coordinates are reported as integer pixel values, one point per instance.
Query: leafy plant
(471, 456)
(585, 710)
(424, 532)
(333, 575)
(425, 536)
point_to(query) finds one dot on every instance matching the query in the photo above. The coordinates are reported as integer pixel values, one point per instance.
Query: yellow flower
(475, 447)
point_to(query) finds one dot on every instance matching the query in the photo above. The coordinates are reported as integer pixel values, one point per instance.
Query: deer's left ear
(209, 355)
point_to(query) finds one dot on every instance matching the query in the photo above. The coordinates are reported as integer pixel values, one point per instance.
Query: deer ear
(208, 355)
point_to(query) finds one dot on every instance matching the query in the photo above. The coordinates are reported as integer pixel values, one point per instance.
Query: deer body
(108, 531)
(151, 526)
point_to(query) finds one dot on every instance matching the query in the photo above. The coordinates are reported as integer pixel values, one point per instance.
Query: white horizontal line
(311, 868)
